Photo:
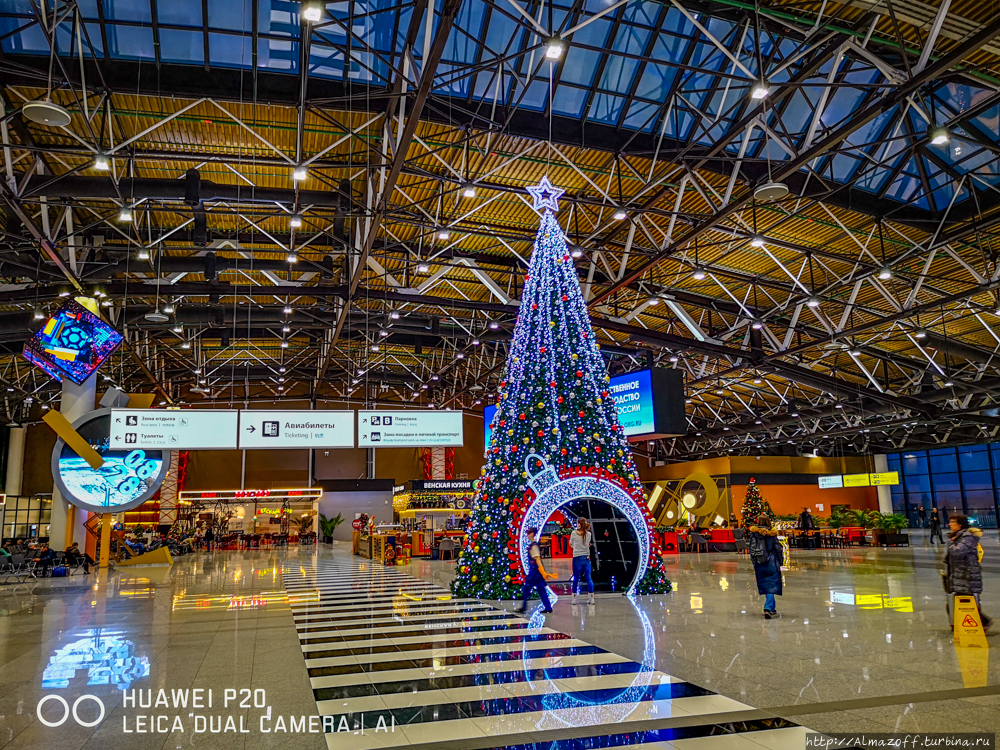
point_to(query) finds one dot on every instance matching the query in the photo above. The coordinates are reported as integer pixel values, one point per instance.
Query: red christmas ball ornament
(494, 535)
(559, 400)
(541, 433)
(563, 451)
(579, 429)
(542, 349)
(597, 448)
(534, 305)
(579, 373)
(565, 298)
(552, 384)
(604, 394)
(521, 415)
(580, 414)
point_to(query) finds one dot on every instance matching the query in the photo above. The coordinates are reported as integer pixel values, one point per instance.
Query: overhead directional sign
(296, 429)
(831, 482)
(174, 429)
(410, 429)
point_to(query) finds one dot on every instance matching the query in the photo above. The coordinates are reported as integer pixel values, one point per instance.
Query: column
(77, 400)
(884, 493)
(15, 461)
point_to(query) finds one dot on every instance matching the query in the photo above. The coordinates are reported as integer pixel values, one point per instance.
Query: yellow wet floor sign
(968, 624)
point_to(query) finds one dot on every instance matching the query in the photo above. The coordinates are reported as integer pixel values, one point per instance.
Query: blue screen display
(633, 395)
(73, 342)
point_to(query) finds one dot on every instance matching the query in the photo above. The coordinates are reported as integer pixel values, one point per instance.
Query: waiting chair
(446, 546)
(695, 541)
(742, 545)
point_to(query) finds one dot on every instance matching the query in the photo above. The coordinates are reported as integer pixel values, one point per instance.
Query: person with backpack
(580, 541)
(963, 572)
(535, 580)
(767, 558)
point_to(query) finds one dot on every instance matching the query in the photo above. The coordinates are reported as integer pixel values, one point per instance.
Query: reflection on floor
(862, 645)
(399, 658)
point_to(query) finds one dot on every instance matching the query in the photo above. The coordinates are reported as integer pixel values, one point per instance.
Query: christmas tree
(553, 409)
(754, 506)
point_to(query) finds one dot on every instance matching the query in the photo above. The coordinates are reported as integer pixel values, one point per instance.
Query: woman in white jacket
(579, 542)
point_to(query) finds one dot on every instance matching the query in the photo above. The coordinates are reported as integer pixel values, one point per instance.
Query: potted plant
(329, 525)
(886, 530)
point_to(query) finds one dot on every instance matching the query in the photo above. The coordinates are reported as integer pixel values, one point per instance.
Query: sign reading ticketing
(174, 429)
(296, 429)
(418, 429)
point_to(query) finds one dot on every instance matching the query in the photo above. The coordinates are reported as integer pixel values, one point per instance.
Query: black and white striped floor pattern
(397, 662)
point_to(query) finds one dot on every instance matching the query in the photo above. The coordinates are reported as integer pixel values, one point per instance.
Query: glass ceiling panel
(131, 42)
(229, 50)
(234, 16)
(570, 101)
(181, 13)
(180, 46)
(128, 10)
(281, 17)
(581, 66)
(606, 108)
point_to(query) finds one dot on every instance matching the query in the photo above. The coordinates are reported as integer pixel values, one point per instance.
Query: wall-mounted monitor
(73, 343)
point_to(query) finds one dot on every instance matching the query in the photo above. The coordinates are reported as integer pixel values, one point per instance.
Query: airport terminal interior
(523, 374)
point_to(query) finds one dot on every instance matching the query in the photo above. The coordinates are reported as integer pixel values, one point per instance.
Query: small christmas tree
(553, 408)
(754, 506)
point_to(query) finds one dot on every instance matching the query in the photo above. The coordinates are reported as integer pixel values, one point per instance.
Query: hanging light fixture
(102, 163)
(296, 221)
(469, 191)
(312, 10)
(143, 254)
(760, 90)
(554, 48)
(939, 136)
(126, 213)
(299, 174)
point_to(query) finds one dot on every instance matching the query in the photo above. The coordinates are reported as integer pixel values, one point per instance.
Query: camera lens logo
(67, 711)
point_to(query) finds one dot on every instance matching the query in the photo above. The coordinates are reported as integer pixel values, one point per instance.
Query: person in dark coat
(936, 525)
(922, 516)
(961, 556)
(766, 565)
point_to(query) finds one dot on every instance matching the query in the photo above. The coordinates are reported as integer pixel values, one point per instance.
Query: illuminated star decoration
(545, 195)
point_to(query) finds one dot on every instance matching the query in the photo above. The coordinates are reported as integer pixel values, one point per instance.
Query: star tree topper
(545, 195)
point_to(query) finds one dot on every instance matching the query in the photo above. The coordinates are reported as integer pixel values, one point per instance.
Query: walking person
(536, 576)
(580, 541)
(963, 573)
(936, 525)
(767, 558)
(209, 538)
(922, 517)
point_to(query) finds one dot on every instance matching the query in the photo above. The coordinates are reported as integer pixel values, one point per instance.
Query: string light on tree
(755, 506)
(554, 417)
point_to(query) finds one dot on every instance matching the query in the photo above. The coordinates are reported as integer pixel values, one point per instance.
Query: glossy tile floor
(862, 644)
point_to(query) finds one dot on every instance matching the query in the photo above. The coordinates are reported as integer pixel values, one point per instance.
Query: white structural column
(884, 493)
(15, 461)
(77, 400)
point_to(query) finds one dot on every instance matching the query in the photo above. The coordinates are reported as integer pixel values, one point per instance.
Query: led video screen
(74, 342)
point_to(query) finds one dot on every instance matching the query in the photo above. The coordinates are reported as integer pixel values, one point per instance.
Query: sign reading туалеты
(296, 429)
(173, 429)
(410, 429)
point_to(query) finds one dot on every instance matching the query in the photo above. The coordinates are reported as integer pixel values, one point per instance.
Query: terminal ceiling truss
(858, 312)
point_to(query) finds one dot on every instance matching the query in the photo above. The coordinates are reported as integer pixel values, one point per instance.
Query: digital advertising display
(74, 342)
(650, 404)
(126, 480)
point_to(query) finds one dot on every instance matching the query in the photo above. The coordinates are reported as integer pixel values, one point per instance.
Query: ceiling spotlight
(576, 253)
(99, 292)
(186, 345)
(126, 213)
(39, 315)
(312, 10)
(435, 377)
(197, 371)
(393, 315)
(287, 310)
(143, 254)
(469, 191)
(460, 355)
(292, 258)
(698, 274)
(948, 383)
(299, 174)
(286, 328)
(64, 291)
(554, 48)
(885, 273)
(383, 333)
(719, 391)
(284, 344)
(476, 342)
(620, 215)
(296, 221)
(477, 402)
(674, 358)
(281, 380)
(920, 333)
(416, 394)
(854, 351)
(202, 381)
(653, 301)
(494, 325)
(757, 241)
(281, 369)
(758, 380)
(812, 302)
(760, 90)
(281, 387)
(168, 309)
(423, 387)
(793, 409)
(423, 268)
(444, 234)
(375, 347)
(757, 325)
(940, 136)
(178, 329)
(838, 406)
(102, 163)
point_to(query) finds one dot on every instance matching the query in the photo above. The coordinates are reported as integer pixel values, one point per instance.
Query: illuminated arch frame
(566, 490)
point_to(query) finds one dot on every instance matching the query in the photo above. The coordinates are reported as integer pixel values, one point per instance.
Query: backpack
(59, 571)
(758, 550)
